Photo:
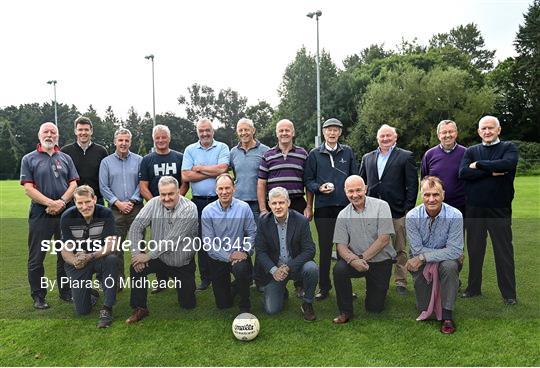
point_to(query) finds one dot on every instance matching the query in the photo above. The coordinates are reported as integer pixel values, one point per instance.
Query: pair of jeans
(274, 291)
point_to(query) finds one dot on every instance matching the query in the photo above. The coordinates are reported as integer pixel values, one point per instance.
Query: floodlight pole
(53, 82)
(317, 14)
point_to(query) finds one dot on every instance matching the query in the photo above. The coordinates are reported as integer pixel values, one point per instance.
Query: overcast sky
(95, 49)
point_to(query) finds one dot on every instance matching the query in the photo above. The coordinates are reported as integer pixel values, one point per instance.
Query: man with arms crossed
(488, 170)
(203, 162)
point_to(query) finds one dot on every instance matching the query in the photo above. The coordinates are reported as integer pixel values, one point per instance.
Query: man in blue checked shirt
(228, 233)
(435, 233)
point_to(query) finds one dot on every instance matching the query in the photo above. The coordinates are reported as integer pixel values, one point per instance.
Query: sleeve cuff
(273, 270)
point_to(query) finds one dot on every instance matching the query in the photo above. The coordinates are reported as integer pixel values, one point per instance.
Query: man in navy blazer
(390, 174)
(285, 250)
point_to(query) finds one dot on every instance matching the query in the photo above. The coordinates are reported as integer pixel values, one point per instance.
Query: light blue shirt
(119, 179)
(284, 256)
(245, 165)
(195, 154)
(438, 239)
(383, 159)
(228, 229)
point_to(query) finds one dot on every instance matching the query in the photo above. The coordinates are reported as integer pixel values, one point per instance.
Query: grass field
(489, 333)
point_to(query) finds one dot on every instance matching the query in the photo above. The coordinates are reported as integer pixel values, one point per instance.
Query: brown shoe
(341, 319)
(137, 315)
(309, 313)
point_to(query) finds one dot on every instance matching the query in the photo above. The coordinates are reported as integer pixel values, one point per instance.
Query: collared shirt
(284, 170)
(228, 229)
(496, 141)
(284, 256)
(173, 231)
(87, 163)
(330, 149)
(50, 174)
(75, 227)
(438, 239)
(359, 229)
(83, 148)
(382, 159)
(195, 154)
(119, 178)
(448, 150)
(245, 165)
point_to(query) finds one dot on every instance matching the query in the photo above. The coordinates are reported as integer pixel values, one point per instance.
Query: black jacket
(399, 182)
(299, 243)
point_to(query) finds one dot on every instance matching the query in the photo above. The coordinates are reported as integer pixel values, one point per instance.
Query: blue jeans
(274, 291)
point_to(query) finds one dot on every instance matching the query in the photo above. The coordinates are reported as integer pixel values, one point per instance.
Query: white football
(245, 327)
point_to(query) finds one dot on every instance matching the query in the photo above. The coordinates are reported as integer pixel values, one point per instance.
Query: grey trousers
(449, 284)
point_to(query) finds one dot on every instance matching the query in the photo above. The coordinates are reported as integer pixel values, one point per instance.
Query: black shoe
(157, 290)
(105, 318)
(354, 296)
(94, 293)
(203, 285)
(321, 295)
(402, 290)
(468, 294)
(299, 291)
(510, 301)
(308, 312)
(40, 303)
(66, 297)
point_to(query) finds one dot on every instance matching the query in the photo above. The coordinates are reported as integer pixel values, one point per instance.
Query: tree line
(411, 87)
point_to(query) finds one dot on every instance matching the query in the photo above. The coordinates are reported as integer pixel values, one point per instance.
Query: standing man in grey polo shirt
(245, 161)
(362, 235)
(119, 184)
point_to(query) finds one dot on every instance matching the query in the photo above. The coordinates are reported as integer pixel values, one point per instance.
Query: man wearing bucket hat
(327, 168)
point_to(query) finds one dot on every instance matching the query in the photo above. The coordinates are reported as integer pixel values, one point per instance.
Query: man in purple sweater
(443, 162)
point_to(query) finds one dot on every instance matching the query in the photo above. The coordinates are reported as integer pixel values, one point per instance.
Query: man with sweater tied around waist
(488, 170)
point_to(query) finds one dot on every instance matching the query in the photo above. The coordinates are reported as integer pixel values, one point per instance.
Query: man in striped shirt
(174, 223)
(283, 166)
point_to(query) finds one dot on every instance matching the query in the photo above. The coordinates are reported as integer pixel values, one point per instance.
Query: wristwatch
(422, 258)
